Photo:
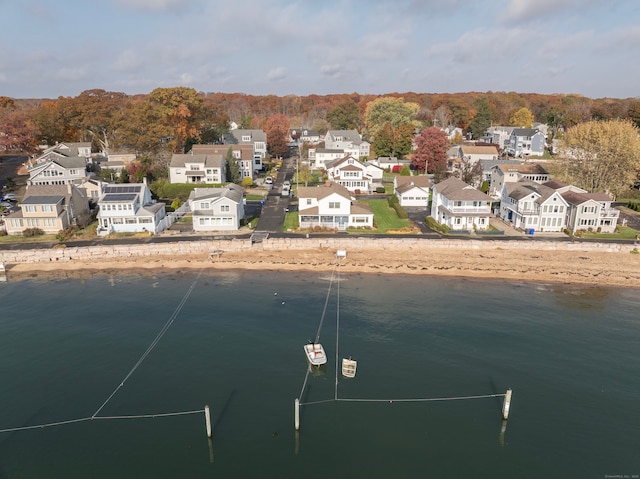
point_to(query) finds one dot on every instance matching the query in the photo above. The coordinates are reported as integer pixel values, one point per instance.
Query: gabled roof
(235, 136)
(338, 162)
(348, 135)
(524, 168)
(410, 186)
(478, 150)
(246, 150)
(456, 189)
(320, 192)
(420, 181)
(576, 198)
(42, 200)
(179, 160)
(524, 131)
(522, 189)
(231, 191)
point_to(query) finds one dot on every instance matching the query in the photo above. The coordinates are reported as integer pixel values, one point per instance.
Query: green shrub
(380, 189)
(30, 232)
(434, 225)
(395, 204)
(175, 204)
(66, 234)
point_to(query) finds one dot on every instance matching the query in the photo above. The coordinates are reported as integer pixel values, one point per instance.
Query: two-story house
(412, 191)
(331, 206)
(320, 157)
(533, 207)
(256, 138)
(217, 209)
(58, 170)
(525, 142)
(248, 164)
(349, 141)
(460, 206)
(503, 173)
(497, 135)
(350, 173)
(129, 208)
(50, 208)
(590, 211)
(190, 168)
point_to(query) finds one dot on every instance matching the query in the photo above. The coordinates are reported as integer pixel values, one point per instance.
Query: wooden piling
(297, 414)
(207, 418)
(506, 405)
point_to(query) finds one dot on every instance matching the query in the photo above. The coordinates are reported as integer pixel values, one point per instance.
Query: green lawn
(385, 218)
(623, 233)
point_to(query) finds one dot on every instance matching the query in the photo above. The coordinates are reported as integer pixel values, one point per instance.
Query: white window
(30, 208)
(47, 208)
(224, 208)
(334, 204)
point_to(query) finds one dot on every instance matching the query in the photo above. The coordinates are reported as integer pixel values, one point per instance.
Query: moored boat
(349, 367)
(315, 354)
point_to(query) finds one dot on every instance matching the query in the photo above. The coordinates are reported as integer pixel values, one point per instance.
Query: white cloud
(276, 74)
(331, 71)
(154, 5)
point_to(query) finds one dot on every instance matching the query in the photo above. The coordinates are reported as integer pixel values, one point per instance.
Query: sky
(52, 48)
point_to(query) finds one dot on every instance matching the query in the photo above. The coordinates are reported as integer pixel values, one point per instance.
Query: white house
(217, 209)
(128, 208)
(189, 168)
(248, 163)
(58, 170)
(525, 142)
(331, 206)
(460, 206)
(497, 135)
(412, 190)
(591, 211)
(533, 206)
(320, 157)
(503, 173)
(473, 154)
(350, 173)
(350, 141)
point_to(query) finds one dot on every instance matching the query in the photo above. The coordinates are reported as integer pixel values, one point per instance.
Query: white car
(9, 197)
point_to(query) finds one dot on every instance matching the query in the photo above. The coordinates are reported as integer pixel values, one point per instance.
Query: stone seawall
(202, 247)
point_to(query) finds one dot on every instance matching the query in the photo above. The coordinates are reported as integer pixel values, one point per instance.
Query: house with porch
(129, 208)
(350, 173)
(50, 208)
(412, 191)
(320, 157)
(331, 206)
(217, 209)
(532, 206)
(190, 168)
(590, 212)
(460, 206)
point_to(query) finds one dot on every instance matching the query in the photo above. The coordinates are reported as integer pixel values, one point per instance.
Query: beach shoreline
(620, 269)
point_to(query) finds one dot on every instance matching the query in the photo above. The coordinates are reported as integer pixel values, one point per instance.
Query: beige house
(190, 168)
(50, 208)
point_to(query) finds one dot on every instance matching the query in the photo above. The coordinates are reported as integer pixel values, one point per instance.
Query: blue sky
(51, 48)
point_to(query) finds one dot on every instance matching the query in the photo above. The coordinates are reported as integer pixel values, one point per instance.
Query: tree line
(170, 120)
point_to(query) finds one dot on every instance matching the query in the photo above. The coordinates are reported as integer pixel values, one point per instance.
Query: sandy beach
(530, 265)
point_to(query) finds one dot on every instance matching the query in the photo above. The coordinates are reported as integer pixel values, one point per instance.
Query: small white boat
(315, 354)
(349, 367)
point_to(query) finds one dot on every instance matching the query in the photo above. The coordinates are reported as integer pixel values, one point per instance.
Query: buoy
(506, 405)
(297, 414)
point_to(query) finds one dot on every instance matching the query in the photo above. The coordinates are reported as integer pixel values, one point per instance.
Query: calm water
(569, 353)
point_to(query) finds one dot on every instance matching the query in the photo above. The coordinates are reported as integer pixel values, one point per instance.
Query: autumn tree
(388, 110)
(345, 116)
(180, 108)
(442, 116)
(214, 122)
(277, 129)
(601, 155)
(431, 152)
(522, 118)
(19, 132)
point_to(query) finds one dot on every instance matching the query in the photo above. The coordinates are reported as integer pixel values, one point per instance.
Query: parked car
(268, 180)
(286, 191)
(9, 197)
(286, 184)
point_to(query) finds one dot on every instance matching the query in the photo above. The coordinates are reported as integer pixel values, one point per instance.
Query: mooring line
(457, 398)
(153, 344)
(42, 426)
(144, 416)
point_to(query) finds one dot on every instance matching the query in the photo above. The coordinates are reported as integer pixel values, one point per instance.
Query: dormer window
(246, 138)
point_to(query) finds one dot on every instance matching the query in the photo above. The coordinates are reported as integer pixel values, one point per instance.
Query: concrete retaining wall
(103, 252)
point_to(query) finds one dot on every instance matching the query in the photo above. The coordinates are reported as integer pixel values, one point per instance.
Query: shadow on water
(581, 298)
(223, 410)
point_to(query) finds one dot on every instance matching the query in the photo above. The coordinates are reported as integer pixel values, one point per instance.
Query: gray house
(525, 142)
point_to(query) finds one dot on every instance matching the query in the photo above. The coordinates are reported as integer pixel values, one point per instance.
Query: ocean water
(234, 341)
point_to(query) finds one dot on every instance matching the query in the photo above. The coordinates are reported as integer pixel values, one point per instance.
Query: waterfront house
(50, 208)
(590, 212)
(129, 208)
(248, 163)
(460, 206)
(331, 206)
(532, 206)
(217, 209)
